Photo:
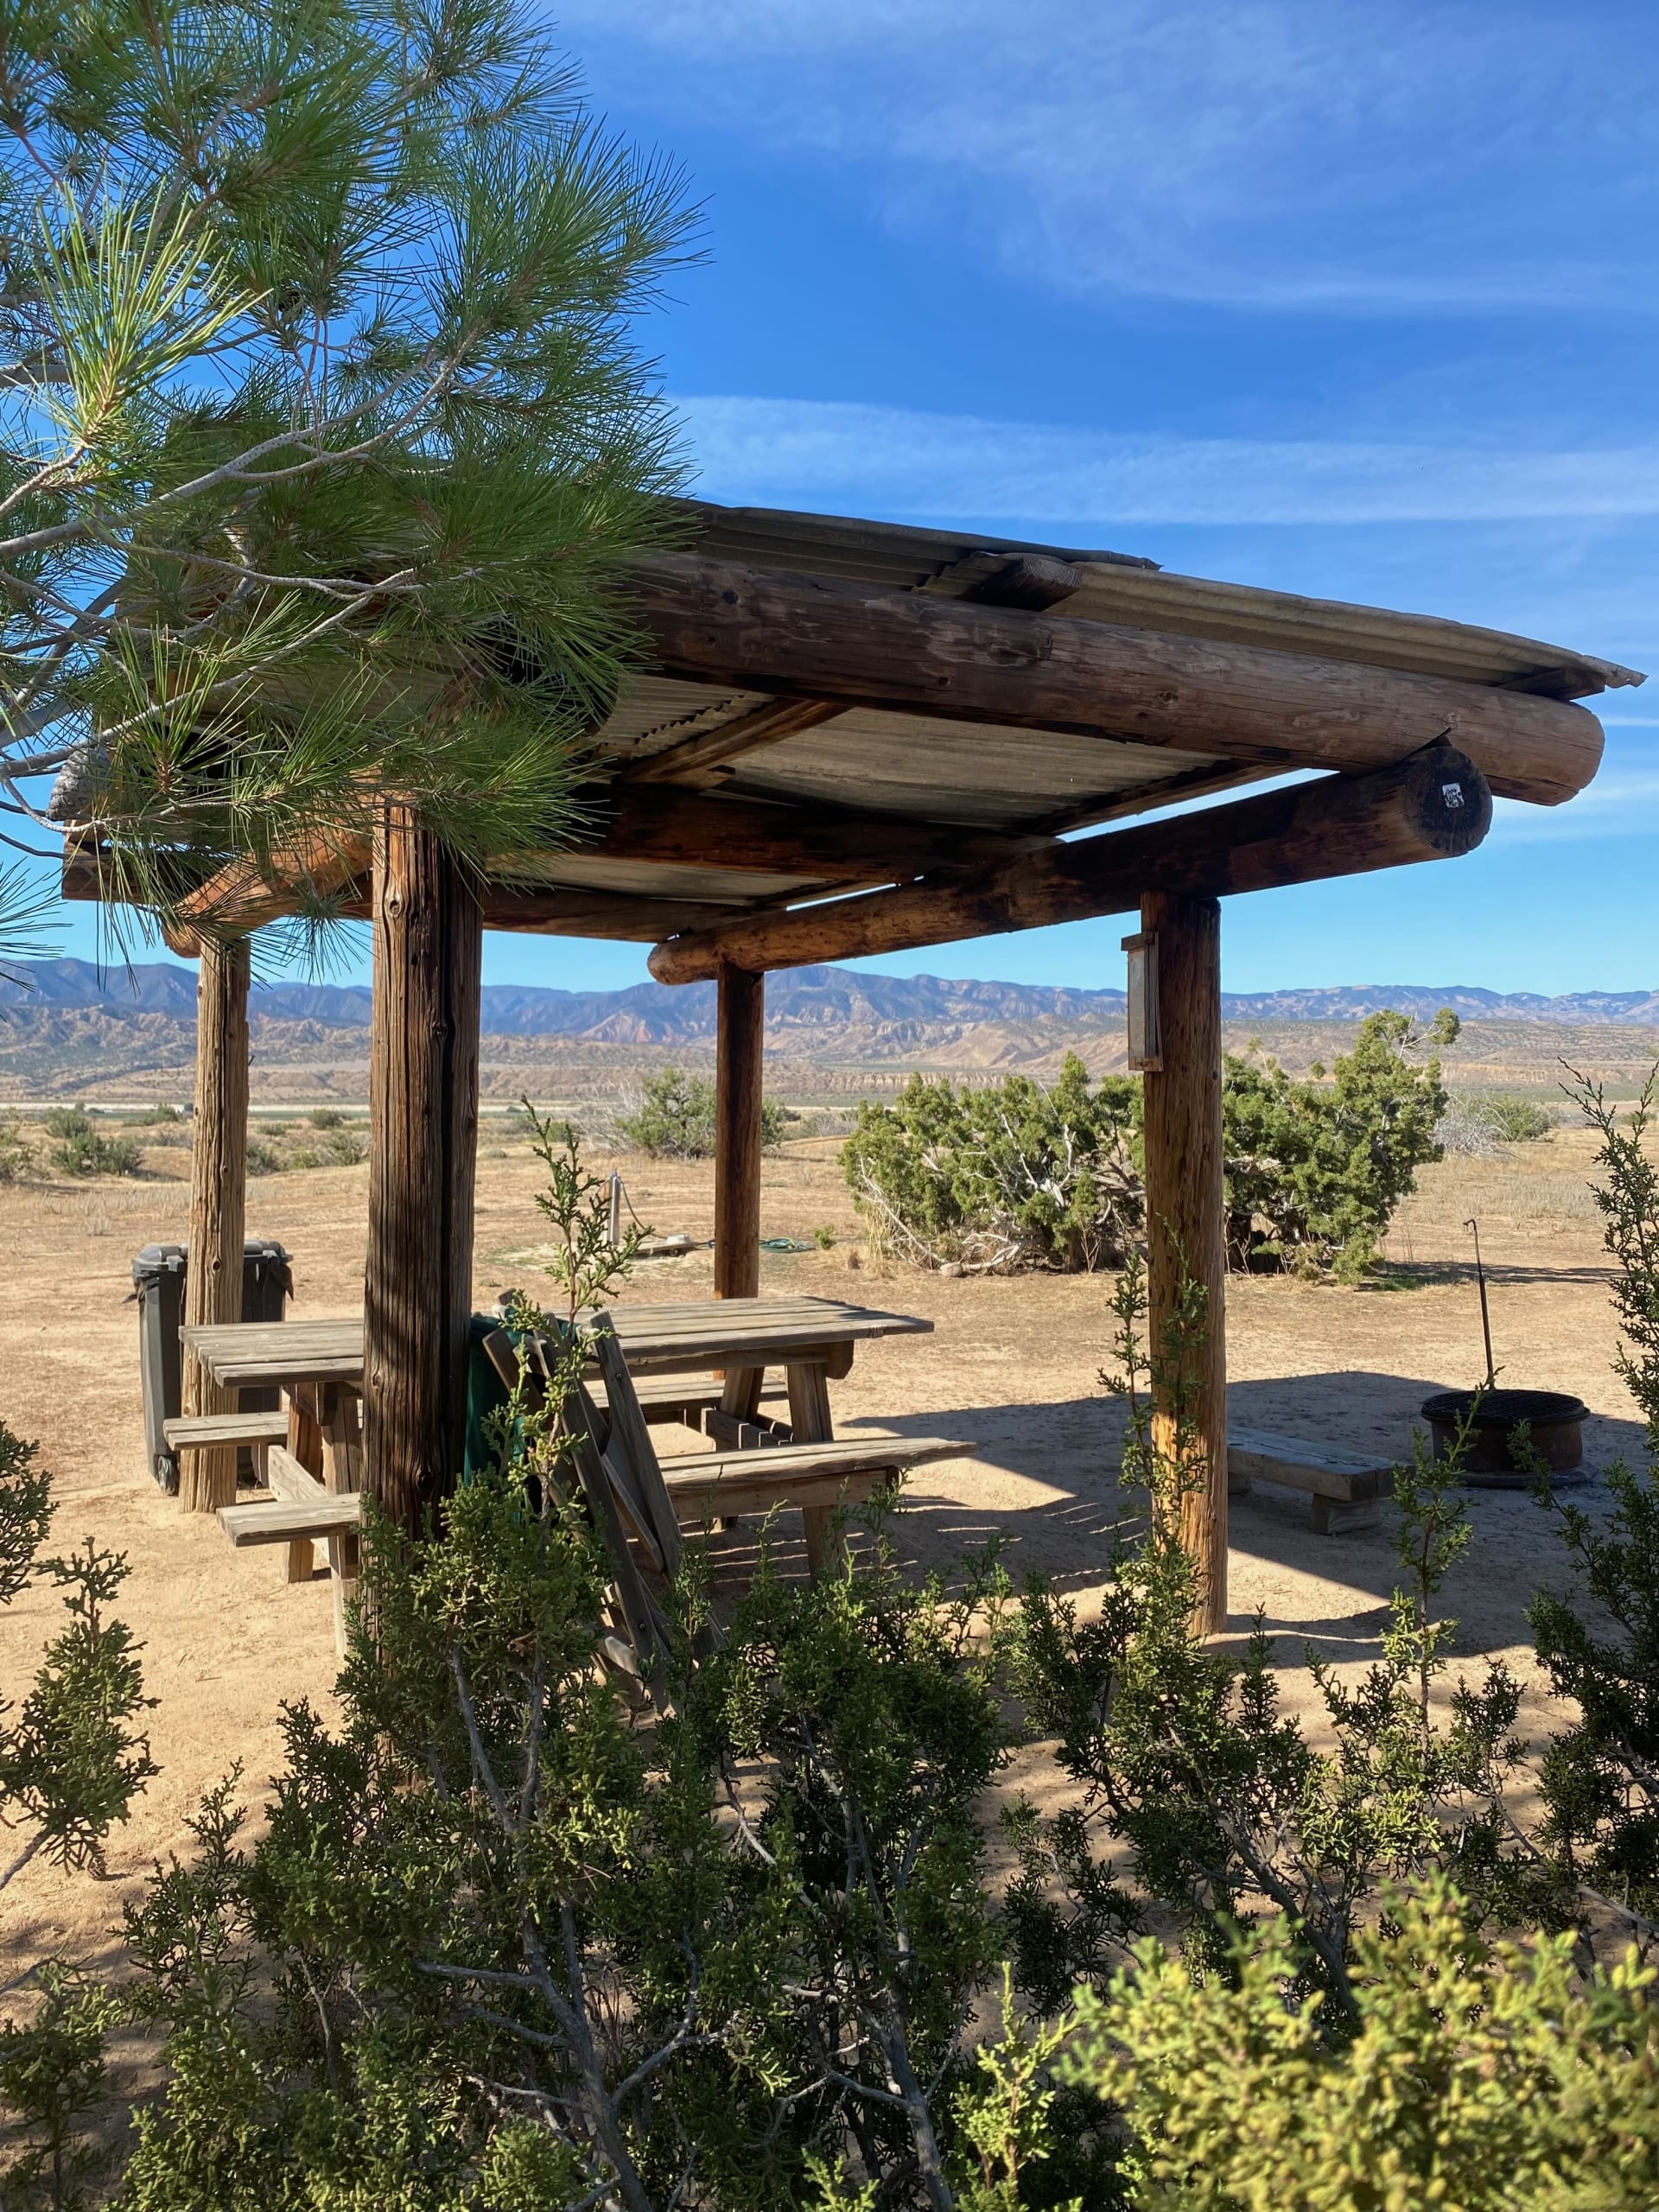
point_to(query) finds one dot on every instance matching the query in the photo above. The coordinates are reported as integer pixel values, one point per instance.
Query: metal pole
(1473, 1227)
(615, 1224)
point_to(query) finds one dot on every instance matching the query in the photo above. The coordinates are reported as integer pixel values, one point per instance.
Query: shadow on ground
(1054, 1507)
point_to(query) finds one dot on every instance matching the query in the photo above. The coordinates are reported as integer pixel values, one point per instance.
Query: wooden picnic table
(679, 1339)
(319, 1366)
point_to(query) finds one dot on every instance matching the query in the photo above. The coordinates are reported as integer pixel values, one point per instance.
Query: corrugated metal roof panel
(659, 879)
(652, 711)
(899, 554)
(976, 773)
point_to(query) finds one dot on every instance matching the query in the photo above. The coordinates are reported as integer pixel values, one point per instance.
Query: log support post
(424, 1138)
(1186, 1262)
(740, 1028)
(218, 1171)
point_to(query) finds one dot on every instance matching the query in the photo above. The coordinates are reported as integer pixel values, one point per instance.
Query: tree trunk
(1185, 1230)
(739, 1030)
(424, 1140)
(739, 1035)
(218, 1171)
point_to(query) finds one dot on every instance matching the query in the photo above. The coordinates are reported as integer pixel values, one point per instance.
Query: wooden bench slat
(188, 1432)
(734, 1497)
(290, 1479)
(664, 1399)
(724, 1483)
(283, 1519)
(1327, 1470)
(804, 1476)
(783, 1463)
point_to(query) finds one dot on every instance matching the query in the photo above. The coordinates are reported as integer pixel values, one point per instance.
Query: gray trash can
(158, 1273)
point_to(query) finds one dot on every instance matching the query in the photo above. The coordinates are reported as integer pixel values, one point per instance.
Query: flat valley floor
(1012, 1364)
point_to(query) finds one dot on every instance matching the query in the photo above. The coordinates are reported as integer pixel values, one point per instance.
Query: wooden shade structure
(854, 737)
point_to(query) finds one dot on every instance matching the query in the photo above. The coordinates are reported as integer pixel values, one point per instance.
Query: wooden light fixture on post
(428, 936)
(1142, 1004)
(218, 1169)
(1185, 1230)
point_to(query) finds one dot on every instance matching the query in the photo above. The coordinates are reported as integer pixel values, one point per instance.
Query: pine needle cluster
(324, 437)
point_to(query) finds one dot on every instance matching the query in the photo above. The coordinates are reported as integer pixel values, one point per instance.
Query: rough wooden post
(424, 1146)
(740, 1031)
(740, 1028)
(1185, 1229)
(219, 1172)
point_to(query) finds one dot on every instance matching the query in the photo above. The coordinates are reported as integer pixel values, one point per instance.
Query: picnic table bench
(1344, 1487)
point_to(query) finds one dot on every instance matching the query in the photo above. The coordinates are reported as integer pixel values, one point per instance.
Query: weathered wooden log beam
(564, 910)
(740, 1039)
(243, 896)
(918, 653)
(829, 843)
(1186, 1246)
(417, 1285)
(219, 1183)
(1433, 806)
(656, 823)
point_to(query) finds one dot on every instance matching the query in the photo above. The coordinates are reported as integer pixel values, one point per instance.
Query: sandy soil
(1012, 1365)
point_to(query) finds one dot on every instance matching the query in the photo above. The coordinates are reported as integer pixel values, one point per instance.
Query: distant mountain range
(802, 1004)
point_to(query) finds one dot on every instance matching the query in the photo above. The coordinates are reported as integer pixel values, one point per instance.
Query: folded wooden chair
(640, 1501)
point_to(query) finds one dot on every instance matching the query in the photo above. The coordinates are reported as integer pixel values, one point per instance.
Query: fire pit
(1554, 1421)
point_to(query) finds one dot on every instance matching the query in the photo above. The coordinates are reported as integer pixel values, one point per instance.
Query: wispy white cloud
(907, 464)
(1450, 154)
(1622, 802)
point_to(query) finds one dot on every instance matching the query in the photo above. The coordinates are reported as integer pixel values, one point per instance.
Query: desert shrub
(341, 1147)
(1599, 1776)
(70, 1761)
(499, 1936)
(1314, 1170)
(675, 1118)
(1493, 2078)
(1478, 1127)
(1519, 1121)
(16, 1153)
(81, 1149)
(326, 1117)
(1019, 1175)
(264, 1159)
(1189, 1781)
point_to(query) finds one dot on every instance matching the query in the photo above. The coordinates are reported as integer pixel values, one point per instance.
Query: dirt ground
(1012, 1365)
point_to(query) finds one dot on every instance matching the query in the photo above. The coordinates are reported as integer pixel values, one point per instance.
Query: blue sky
(1361, 301)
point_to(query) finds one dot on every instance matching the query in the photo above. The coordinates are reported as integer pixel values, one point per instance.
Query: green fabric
(486, 1392)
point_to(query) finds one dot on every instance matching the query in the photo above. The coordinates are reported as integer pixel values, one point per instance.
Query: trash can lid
(156, 1260)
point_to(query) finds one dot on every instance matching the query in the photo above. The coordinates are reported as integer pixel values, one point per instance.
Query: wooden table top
(684, 1340)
